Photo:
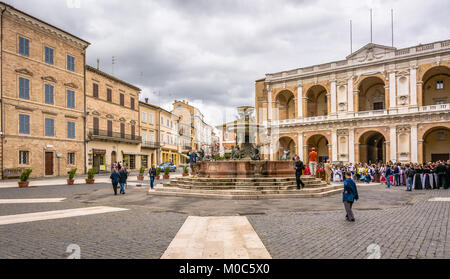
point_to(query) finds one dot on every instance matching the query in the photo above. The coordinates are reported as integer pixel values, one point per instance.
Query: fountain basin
(245, 169)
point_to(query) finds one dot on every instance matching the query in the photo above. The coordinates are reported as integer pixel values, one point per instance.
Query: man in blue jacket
(115, 179)
(349, 196)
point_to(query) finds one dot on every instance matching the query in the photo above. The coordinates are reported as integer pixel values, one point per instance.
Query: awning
(134, 153)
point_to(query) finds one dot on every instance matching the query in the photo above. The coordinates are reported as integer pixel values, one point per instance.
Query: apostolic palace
(379, 104)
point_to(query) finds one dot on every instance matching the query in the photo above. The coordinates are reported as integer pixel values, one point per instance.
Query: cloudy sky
(210, 52)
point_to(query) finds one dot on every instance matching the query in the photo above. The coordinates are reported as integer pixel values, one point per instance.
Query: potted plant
(158, 172)
(141, 174)
(166, 173)
(71, 173)
(91, 173)
(24, 178)
(185, 171)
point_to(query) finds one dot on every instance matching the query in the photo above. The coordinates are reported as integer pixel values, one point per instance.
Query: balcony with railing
(363, 114)
(97, 134)
(150, 144)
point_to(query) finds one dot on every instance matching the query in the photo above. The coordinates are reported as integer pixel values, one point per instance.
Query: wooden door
(48, 163)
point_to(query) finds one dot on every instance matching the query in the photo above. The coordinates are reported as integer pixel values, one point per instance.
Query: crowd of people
(431, 175)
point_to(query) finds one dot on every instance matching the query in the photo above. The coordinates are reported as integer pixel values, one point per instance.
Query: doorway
(48, 163)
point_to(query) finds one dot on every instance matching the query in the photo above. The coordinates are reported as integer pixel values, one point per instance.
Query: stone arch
(316, 101)
(371, 94)
(436, 143)
(285, 104)
(286, 143)
(372, 147)
(321, 144)
(436, 86)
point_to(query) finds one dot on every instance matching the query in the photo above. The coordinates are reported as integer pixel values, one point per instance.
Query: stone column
(333, 97)
(387, 103)
(419, 98)
(304, 106)
(356, 100)
(393, 144)
(387, 150)
(357, 156)
(328, 104)
(392, 90)
(350, 95)
(414, 155)
(269, 104)
(305, 154)
(421, 155)
(330, 152)
(300, 145)
(299, 101)
(334, 146)
(413, 87)
(351, 146)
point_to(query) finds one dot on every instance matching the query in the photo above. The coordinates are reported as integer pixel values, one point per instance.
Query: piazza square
(199, 138)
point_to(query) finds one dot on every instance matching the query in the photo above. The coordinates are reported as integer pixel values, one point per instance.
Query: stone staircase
(246, 188)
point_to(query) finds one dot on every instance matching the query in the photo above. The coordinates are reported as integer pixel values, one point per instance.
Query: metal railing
(115, 136)
(150, 144)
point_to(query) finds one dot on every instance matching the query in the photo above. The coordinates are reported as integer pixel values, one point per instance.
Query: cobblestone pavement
(404, 224)
(420, 229)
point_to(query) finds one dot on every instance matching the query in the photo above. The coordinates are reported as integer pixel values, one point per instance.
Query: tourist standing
(441, 171)
(298, 173)
(152, 174)
(313, 161)
(409, 177)
(115, 179)
(192, 160)
(327, 168)
(349, 196)
(396, 175)
(388, 175)
(123, 179)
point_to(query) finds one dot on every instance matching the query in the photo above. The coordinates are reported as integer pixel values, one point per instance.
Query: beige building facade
(150, 144)
(379, 104)
(112, 122)
(42, 97)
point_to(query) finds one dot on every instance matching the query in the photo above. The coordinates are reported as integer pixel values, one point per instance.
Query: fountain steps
(241, 184)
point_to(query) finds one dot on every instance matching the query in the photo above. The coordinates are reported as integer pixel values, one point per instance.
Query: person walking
(298, 173)
(123, 179)
(152, 174)
(327, 168)
(192, 160)
(313, 161)
(115, 179)
(409, 177)
(349, 196)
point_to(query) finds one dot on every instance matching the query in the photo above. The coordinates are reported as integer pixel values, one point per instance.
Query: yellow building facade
(150, 144)
(379, 104)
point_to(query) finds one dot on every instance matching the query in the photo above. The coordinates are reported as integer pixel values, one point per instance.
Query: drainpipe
(1, 90)
(85, 111)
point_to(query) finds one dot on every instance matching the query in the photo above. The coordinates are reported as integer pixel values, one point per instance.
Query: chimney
(146, 100)
(98, 64)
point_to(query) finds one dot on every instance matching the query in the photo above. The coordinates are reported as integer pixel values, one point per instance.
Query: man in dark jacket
(152, 174)
(349, 196)
(441, 171)
(115, 179)
(409, 177)
(298, 173)
(123, 179)
(447, 178)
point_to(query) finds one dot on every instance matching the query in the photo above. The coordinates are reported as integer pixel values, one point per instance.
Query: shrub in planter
(71, 173)
(185, 171)
(227, 156)
(158, 172)
(166, 173)
(91, 173)
(141, 174)
(24, 178)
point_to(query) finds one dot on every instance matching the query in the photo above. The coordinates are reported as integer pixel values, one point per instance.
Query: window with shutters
(144, 136)
(122, 99)
(24, 124)
(71, 99)
(110, 128)
(109, 94)
(96, 125)
(71, 130)
(49, 94)
(132, 103)
(71, 158)
(144, 117)
(122, 130)
(48, 55)
(24, 46)
(150, 118)
(24, 157)
(132, 132)
(95, 90)
(49, 127)
(70, 63)
(440, 84)
(24, 88)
